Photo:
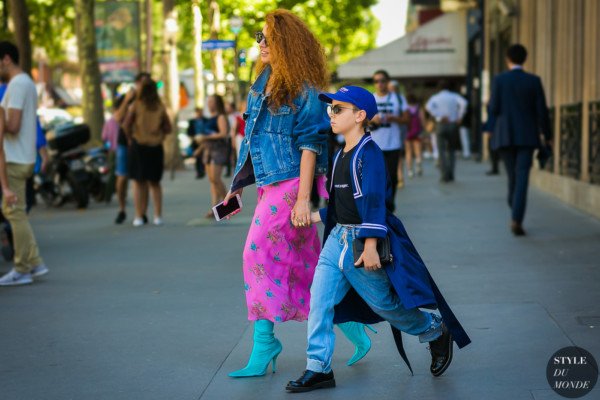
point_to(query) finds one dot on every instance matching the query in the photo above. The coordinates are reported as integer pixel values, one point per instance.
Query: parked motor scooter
(66, 177)
(97, 166)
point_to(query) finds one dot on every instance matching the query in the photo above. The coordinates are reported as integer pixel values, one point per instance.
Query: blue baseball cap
(359, 97)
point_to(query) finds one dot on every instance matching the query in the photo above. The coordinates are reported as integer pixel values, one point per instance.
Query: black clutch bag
(383, 249)
(544, 154)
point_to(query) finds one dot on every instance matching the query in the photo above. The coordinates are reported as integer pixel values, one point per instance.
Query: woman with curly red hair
(284, 150)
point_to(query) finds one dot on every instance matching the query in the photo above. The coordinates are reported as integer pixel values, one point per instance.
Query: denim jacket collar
(261, 82)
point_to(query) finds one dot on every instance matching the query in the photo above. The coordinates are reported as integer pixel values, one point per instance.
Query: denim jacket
(274, 140)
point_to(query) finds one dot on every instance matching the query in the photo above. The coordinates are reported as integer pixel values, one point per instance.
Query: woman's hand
(228, 197)
(370, 256)
(301, 214)
(231, 194)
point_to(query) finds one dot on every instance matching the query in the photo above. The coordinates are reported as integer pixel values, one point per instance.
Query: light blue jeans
(334, 275)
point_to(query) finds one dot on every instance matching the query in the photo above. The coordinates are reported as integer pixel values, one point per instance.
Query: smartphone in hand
(221, 211)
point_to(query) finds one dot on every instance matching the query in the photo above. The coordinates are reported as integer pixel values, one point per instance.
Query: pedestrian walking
(359, 211)
(465, 132)
(195, 131)
(522, 124)
(146, 125)
(215, 148)
(414, 158)
(18, 132)
(448, 108)
(122, 151)
(110, 137)
(42, 156)
(394, 87)
(233, 118)
(283, 152)
(385, 126)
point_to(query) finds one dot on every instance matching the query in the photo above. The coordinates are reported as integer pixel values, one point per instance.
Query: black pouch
(383, 249)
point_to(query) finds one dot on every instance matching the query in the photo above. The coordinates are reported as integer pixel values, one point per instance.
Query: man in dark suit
(518, 105)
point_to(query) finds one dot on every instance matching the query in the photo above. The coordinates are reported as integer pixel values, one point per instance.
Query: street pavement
(159, 312)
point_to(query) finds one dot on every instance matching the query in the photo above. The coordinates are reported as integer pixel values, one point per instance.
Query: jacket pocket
(280, 121)
(279, 156)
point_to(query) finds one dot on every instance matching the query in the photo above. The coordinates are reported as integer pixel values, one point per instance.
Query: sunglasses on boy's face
(337, 109)
(259, 36)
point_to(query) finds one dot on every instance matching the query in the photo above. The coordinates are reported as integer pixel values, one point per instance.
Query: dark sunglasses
(336, 109)
(259, 36)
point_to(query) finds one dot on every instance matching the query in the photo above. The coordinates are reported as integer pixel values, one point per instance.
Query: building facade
(562, 38)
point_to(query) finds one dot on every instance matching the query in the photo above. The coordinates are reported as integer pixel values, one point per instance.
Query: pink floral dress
(279, 259)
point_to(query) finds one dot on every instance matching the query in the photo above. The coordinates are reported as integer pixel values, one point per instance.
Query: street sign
(235, 24)
(218, 44)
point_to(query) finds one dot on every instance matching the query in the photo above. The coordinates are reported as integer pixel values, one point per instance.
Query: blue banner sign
(218, 44)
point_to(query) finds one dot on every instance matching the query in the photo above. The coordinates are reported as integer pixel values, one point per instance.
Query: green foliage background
(346, 28)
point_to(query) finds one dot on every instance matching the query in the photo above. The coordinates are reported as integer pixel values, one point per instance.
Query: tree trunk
(217, 55)
(173, 158)
(149, 41)
(20, 17)
(93, 111)
(198, 66)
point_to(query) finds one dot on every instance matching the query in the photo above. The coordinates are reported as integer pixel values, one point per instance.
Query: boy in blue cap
(360, 209)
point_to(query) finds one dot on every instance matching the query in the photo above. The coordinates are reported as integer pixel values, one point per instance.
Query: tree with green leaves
(346, 28)
(52, 27)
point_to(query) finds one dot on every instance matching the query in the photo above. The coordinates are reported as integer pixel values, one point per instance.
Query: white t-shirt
(389, 137)
(21, 95)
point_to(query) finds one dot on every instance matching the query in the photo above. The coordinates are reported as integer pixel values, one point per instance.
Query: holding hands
(301, 216)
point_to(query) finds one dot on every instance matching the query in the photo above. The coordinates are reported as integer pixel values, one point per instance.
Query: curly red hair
(297, 58)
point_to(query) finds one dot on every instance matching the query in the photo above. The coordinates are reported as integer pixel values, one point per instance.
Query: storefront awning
(435, 49)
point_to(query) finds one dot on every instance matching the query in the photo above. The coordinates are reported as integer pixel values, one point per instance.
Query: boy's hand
(315, 217)
(370, 256)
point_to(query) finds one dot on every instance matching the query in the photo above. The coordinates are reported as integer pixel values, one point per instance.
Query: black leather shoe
(441, 352)
(311, 380)
(517, 229)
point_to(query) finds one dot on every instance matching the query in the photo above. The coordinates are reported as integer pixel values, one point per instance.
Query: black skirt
(146, 163)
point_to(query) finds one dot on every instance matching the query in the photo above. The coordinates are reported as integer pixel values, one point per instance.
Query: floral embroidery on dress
(258, 309)
(259, 271)
(279, 259)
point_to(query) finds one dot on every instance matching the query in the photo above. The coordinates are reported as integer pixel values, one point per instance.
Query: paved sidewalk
(159, 313)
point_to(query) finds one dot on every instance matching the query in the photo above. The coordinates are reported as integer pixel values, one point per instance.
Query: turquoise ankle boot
(266, 349)
(355, 332)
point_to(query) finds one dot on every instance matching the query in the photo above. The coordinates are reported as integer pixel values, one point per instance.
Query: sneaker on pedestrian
(39, 270)
(157, 221)
(144, 219)
(14, 278)
(121, 217)
(138, 222)
(419, 169)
